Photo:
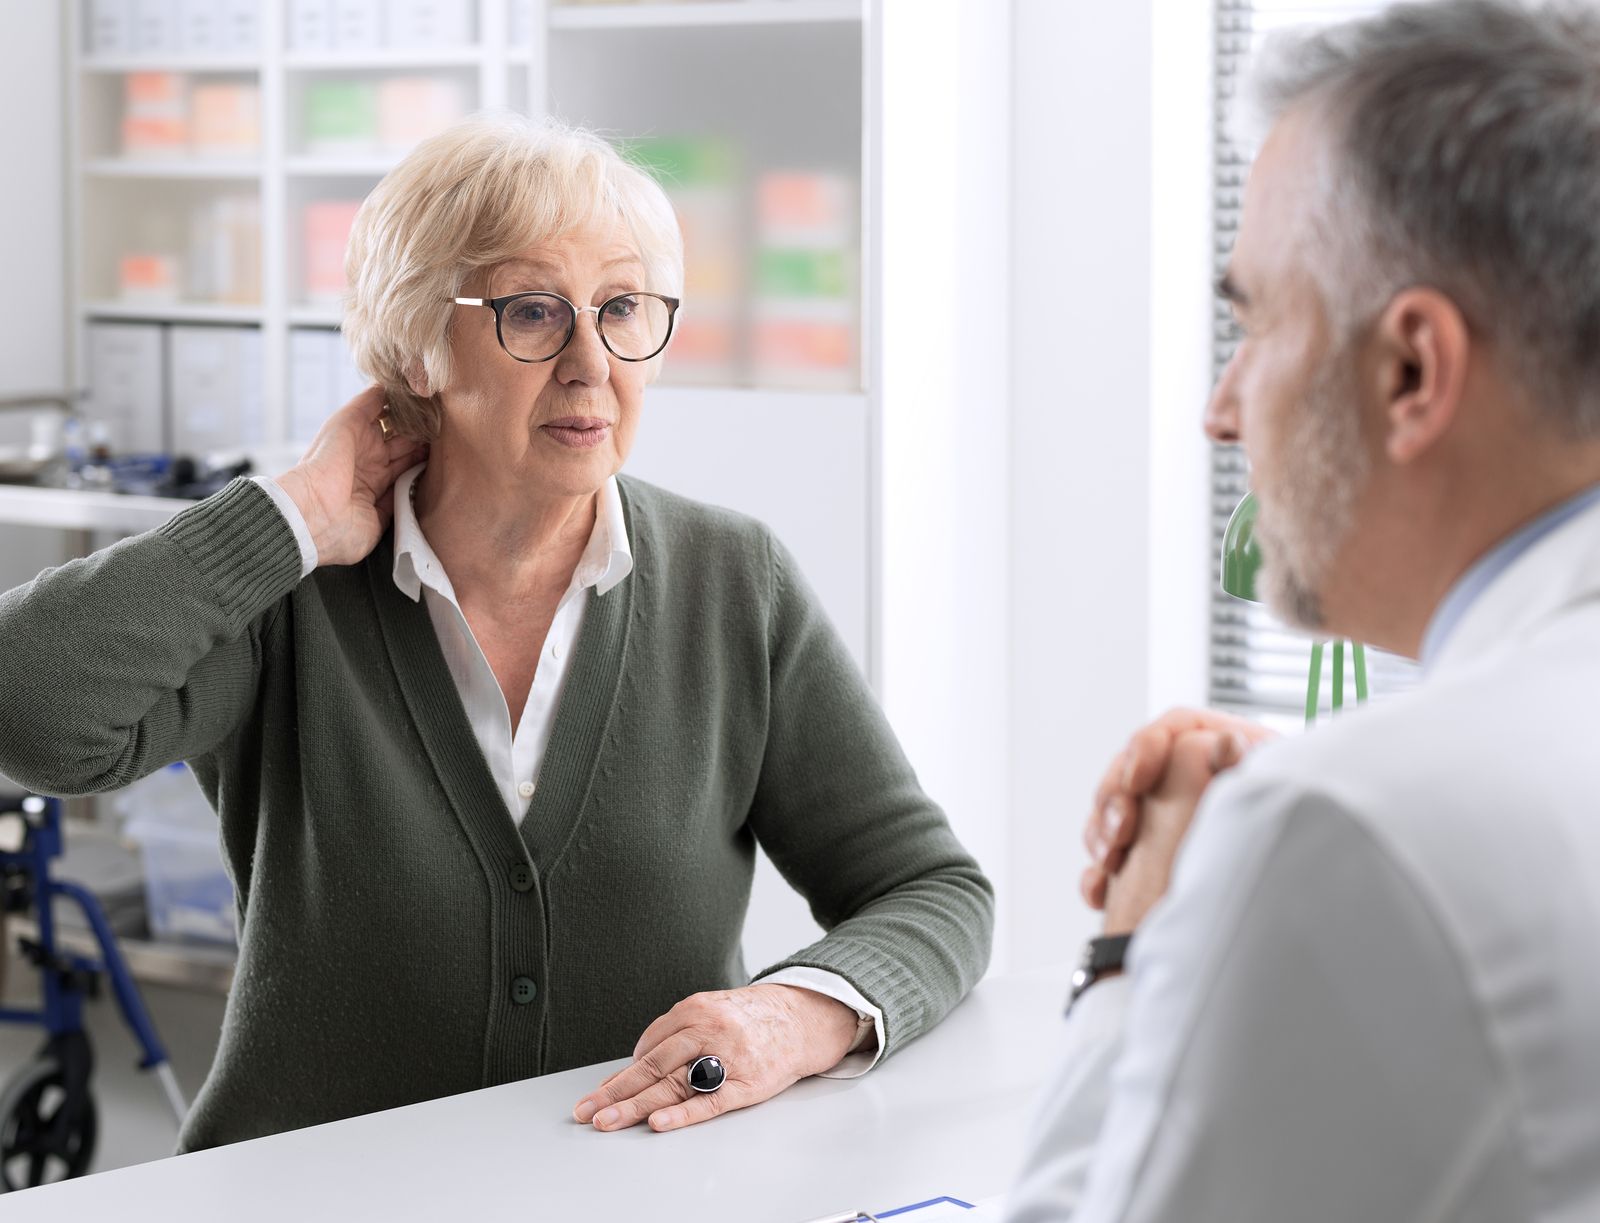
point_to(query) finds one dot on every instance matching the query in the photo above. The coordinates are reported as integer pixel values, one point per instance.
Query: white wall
(1109, 272)
(33, 318)
(32, 205)
(942, 361)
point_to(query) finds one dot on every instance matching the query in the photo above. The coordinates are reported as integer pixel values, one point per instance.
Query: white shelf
(716, 401)
(719, 13)
(393, 57)
(173, 312)
(77, 510)
(315, 316)
(375, 166)
(197, 168)
(171, 63)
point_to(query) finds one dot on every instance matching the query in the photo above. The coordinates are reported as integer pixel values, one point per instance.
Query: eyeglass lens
(536, 327)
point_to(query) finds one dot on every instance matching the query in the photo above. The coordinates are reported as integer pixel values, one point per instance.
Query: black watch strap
(1101, 957)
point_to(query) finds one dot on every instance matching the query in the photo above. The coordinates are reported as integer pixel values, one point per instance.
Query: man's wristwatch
(1101, 957)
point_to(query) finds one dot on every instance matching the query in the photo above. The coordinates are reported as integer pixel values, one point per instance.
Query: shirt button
(555, 650)
(526, 789)
(521, 877)
(522, 990)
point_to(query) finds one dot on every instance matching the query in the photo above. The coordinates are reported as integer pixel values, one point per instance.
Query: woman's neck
(498, 538)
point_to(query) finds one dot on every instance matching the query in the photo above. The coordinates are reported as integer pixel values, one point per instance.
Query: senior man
(1370, 992)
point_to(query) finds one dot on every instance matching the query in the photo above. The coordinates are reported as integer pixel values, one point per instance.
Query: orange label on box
(807, 345)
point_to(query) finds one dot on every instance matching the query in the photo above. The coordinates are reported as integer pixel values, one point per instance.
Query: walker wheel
(45, 1134)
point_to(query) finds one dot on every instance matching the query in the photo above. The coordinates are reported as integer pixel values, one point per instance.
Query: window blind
(1258, 667)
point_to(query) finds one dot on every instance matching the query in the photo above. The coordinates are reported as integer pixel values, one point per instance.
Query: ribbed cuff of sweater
(907, 1008)
(242, 546)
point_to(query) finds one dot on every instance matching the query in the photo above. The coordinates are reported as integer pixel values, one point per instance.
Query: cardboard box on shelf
(311, 380)
(412, 108)
(240, 26)
(322, 378)
(215, 379)
(428, 23)
(341, 118)
(125, 385)
(309, 25)
(149, 277)
(155, 114)
(225, 250)
(326, 234)
(156, 27)
(357, 25)
(110, 27)
(172, 27)
(224, 120)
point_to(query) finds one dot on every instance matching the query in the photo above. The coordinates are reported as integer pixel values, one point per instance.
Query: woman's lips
(577, 432)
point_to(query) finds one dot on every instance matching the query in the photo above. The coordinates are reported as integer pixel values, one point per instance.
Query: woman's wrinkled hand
(1113, 823)
(343, 486)
(768, 1037)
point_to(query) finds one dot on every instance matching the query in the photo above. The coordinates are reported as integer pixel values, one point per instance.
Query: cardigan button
(523, 990)
(522, 877)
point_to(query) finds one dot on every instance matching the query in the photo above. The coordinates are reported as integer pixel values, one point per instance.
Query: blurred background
(948, 328)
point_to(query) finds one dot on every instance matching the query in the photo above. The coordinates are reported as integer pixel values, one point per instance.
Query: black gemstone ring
(706, 1073)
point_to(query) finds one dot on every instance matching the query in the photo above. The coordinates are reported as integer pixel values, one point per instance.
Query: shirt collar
(606, 559)
(1471, 585)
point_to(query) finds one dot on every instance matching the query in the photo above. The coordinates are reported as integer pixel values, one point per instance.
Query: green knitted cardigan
(400, 937)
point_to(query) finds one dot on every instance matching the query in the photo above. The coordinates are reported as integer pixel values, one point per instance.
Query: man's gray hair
(1463, 153)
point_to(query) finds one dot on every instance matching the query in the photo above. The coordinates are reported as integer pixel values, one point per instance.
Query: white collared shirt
(515, 754)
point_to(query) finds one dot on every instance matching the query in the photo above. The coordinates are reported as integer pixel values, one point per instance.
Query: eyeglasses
(536, 327)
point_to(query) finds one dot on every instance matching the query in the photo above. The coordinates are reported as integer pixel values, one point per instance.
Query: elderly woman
(494, 732)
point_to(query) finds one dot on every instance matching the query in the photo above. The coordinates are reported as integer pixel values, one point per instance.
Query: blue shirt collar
(1483, 573)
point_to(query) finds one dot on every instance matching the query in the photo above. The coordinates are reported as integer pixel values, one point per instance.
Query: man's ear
(1423, 345)
(417, 379)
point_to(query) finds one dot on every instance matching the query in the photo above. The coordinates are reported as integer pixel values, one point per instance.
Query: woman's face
(565, 424)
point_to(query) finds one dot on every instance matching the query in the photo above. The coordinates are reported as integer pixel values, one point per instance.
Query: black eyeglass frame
(499, 304)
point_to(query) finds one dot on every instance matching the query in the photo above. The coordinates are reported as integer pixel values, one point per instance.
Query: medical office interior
(948, 329)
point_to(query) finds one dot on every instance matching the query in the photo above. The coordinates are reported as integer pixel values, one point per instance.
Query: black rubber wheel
(45, 1134)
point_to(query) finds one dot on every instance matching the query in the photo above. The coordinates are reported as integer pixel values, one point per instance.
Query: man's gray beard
(1302, 530)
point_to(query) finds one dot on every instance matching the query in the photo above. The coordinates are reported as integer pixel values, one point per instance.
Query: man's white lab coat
(1372, 994)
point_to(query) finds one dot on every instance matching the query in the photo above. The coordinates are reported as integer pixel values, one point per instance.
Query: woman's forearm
(116, 664)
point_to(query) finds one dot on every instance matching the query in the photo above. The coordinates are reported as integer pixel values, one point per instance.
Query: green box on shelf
(684, 161)
(784, 272)
(341, 114)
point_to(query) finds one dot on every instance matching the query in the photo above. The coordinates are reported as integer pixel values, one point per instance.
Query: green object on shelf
(1241, 563)
(800, 273)
(684, 161)
(340, 113)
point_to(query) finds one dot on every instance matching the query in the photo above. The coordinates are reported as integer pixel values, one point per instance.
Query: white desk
(945, 1115)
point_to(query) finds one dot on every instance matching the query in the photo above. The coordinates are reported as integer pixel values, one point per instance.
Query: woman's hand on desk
(1139, 769)
(767, 1036)
(342, 486)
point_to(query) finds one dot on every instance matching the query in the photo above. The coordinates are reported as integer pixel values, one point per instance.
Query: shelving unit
(733, 82)
(716, 15)
(127, 167)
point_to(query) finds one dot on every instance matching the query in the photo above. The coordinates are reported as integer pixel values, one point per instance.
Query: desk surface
(945, 1115)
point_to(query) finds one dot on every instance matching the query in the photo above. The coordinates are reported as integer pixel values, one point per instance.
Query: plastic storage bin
(188, 895)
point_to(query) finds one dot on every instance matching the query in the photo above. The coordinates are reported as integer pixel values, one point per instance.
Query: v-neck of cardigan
(577, 737)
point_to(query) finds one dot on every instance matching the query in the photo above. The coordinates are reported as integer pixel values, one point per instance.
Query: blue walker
(48, 1119)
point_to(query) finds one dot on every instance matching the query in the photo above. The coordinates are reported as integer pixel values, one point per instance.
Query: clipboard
(930, 1210)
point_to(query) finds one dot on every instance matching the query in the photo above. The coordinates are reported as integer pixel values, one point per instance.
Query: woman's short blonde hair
(462, 202)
